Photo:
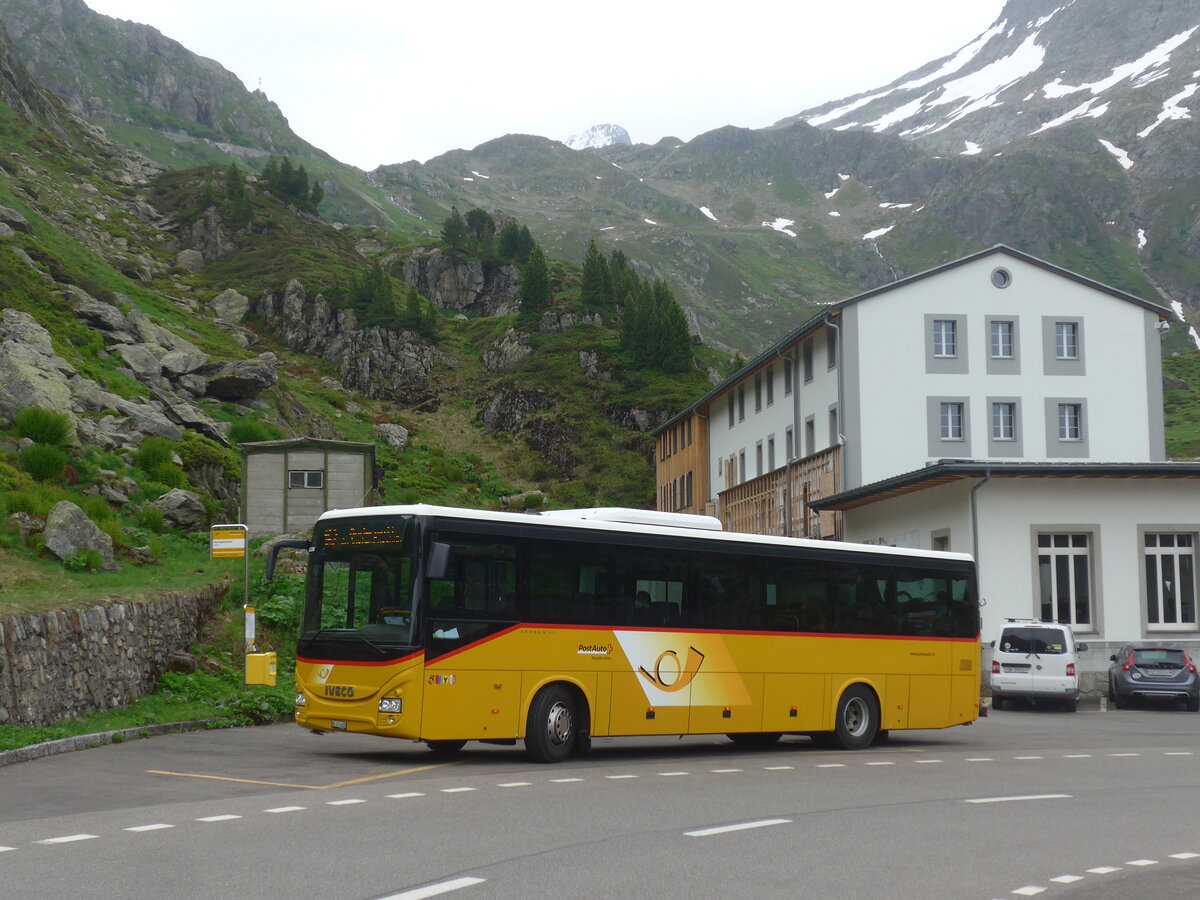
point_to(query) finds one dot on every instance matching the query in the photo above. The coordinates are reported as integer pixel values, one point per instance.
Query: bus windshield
(360, 589)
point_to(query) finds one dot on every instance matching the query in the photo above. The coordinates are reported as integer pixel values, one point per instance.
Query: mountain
(599, 136)
(1063, 130)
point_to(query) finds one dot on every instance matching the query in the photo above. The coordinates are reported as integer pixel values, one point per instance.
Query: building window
(1070, 422)
(770, 385)
(833, 426)
(730, 410)
(771, 453)
(306, 478)
(1066, 340)
(689, 490)
(788, 374)
(758, 391)
(1002, 340)
(831, 346)
(807, 354)
(1004, 421)
(945, 338)
(950, 421)
(789, 443)
(1170, 579)
(758, 459)
(1064, 572)
(810, 436)
(741, 466)
(741, 402)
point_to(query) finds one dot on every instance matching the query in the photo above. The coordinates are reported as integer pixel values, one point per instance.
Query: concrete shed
(287, 484)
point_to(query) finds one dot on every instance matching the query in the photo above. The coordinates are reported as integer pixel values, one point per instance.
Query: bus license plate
(339, 724)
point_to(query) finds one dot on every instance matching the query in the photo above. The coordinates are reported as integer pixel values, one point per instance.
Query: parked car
(1037, 662)
(1153, 671)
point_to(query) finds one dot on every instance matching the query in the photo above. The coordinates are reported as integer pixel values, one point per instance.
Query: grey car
(1153, 671)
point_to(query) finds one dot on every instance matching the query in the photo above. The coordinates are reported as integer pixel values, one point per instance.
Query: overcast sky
(385, 81)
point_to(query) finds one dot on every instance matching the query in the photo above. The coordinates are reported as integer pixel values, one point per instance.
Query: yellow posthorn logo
(683, 674)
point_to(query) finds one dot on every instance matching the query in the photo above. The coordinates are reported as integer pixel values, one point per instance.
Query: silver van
(1035, 661)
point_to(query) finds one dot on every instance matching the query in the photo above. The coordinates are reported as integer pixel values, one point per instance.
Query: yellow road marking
(307, 787)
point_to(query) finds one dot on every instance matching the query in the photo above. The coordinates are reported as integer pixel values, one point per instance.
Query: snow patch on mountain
(599, 136)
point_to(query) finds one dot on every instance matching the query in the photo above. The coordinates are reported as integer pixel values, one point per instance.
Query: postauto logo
(669, 668)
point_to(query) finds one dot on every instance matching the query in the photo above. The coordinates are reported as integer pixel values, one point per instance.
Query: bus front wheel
(552, 725)
(857, 718)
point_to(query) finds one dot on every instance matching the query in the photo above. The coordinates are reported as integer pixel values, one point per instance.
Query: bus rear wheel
(551, 727)
(754, 739)
(857, 718)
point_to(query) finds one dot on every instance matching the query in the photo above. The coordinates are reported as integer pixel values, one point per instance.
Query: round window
(1001, 278)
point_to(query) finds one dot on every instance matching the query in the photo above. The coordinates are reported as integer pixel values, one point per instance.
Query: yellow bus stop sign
(228, 541)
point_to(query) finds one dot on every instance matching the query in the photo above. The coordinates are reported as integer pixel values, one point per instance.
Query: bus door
(472, 682)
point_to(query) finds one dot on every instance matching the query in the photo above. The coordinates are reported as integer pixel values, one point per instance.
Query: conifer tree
(595, 289)
(535, 283)
(509, 242)
(454, 232)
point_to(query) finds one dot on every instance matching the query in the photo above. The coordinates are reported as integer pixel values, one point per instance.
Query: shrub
(43, 462)
(153, 452)
(250, 430)
(533, 501)
(84, 561)
(44, 426)
(97, 508)
(150, 518)
(169, 474)
(197, 450)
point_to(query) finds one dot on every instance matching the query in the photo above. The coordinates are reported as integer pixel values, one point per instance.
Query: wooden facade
(777, 502)
(681, 455)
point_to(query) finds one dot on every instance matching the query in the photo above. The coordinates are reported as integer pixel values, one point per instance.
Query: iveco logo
(338, 690)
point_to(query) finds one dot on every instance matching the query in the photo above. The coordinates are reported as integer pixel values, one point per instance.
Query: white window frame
(1065, 580)
(945, 339)
(1169, 569)
(1004, 421)
(1001, 339)
(1066, 340)
(1070, 422)
(950, 421)
(306, 479)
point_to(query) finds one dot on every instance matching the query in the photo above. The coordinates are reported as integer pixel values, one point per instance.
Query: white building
(996, 405)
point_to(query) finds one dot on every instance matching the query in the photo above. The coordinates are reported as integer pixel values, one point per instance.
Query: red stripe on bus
(356, 662)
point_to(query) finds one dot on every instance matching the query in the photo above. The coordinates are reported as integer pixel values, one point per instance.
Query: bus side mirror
(439, 560)
(273, 553)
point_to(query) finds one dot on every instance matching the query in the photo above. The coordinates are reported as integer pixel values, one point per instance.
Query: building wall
(681, 455)
(1011, 512)
(897, 386)
(272, 506)
(783, 410)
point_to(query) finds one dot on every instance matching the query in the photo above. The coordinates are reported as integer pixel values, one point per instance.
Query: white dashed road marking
(1023, 797)
(224, 818)
(435, 890)
(283, 809)
(157, 827)
(742, 826)
(68, 839)
(405, 796)
(344, 802)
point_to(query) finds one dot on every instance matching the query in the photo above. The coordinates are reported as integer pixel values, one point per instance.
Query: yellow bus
(450, 625)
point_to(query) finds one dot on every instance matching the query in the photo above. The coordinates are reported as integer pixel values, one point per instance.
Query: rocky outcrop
(507, 352)
(395, 436)
(69, 532)
(554, 321)
(183, 510)
(520, 413)
(382, 363)
(462, 285)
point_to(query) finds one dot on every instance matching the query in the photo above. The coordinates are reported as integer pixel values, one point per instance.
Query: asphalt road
(1092, 805)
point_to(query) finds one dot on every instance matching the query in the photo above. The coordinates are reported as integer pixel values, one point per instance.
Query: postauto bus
(450, 625)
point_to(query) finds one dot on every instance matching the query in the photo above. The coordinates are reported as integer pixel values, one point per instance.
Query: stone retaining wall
(65, 663)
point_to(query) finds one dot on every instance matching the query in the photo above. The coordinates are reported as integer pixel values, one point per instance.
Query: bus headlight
(391, 705)
(300, 701)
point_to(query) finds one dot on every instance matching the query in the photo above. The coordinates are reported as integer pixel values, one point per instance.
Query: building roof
(945, 471)
(300, 443)
(831, 309)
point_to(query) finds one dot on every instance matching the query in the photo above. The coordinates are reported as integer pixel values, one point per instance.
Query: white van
(1035, 661)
